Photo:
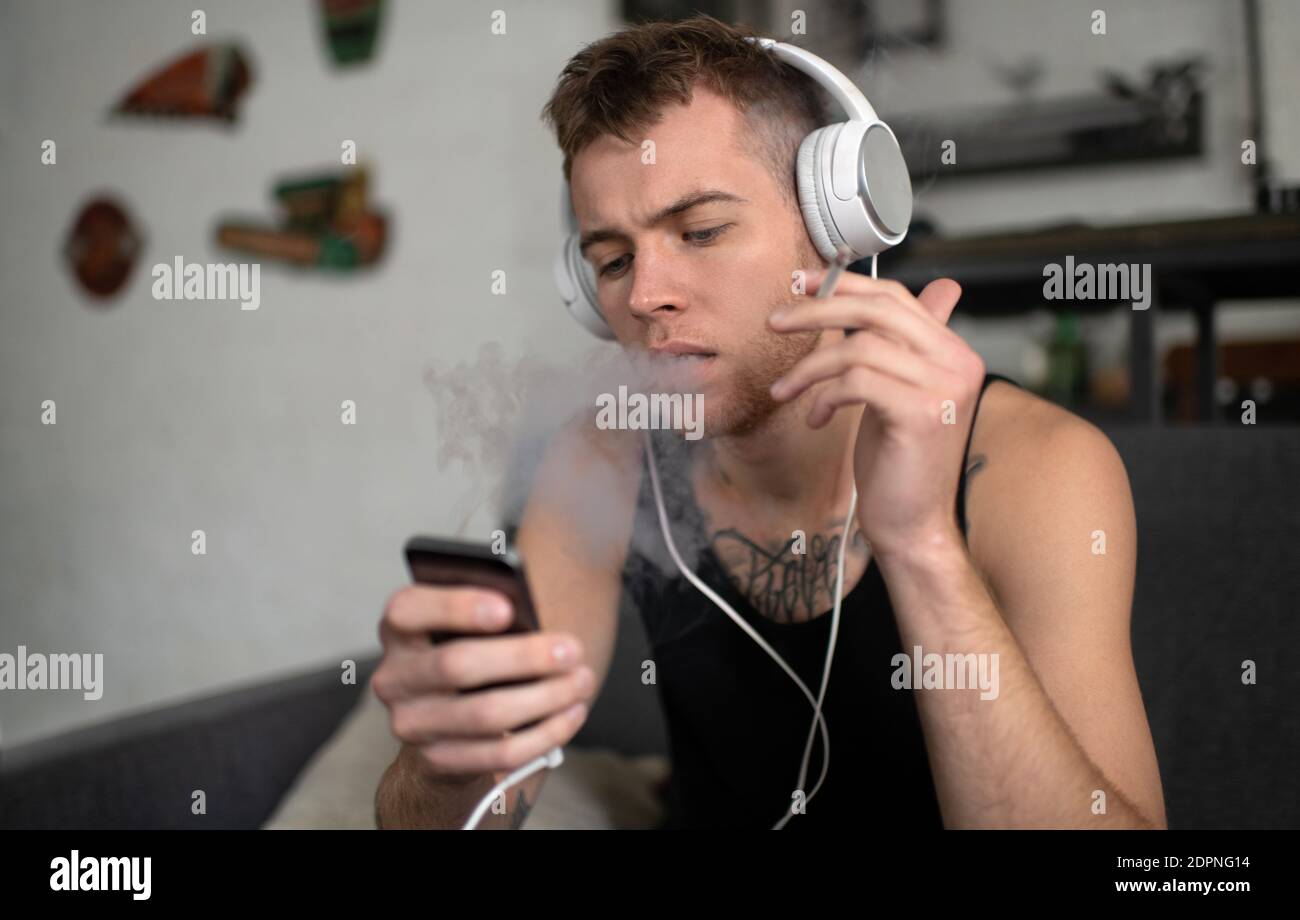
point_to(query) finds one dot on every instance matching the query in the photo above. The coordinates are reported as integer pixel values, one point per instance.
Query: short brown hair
(621, 83)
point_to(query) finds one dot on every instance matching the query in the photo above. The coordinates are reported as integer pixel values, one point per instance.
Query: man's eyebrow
(685, 203)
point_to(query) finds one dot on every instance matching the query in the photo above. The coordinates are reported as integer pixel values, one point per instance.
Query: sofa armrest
(242, 748)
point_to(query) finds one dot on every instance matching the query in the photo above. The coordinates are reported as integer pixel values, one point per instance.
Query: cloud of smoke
(496, 417)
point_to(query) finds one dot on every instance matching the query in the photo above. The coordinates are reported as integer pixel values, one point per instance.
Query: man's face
(691, 254)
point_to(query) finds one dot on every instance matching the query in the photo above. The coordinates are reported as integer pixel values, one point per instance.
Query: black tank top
(737, 724)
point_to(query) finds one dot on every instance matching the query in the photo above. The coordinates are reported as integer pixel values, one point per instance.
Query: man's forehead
(690, 146)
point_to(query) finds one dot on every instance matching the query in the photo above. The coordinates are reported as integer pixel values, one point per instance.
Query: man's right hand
(461, 732)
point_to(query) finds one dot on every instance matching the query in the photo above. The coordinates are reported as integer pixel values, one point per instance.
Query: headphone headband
(840, 88)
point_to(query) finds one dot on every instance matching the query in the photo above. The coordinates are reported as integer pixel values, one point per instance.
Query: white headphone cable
(552, 758)
(818, 718)
(827, 287)
(830, 654)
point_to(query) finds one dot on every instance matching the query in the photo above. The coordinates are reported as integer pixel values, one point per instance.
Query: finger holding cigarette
(826, 287)
(842, 260)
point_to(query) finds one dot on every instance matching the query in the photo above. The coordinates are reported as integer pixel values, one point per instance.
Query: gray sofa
(1218, 582)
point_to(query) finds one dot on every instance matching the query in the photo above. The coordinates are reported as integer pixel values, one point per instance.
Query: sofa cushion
(1218, 577)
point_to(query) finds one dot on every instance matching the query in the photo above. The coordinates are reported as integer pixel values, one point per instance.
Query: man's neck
(786, 463)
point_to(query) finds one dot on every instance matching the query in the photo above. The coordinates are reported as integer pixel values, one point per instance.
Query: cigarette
(842, 259)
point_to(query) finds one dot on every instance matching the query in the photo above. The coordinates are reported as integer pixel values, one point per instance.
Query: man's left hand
(914, 380)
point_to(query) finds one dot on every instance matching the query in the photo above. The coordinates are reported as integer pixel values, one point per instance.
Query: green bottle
(1067, 365)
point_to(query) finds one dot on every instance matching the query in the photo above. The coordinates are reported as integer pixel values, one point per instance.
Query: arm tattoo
(521, 811)
(783, 585)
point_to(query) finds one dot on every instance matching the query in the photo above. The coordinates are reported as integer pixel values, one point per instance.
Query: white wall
(1280, 25)
(176, 416)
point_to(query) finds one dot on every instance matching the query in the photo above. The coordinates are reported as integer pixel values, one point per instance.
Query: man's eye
(706, 236)
(700, 237)
(613, 267)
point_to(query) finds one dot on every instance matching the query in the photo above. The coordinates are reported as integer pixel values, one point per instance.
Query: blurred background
(381, 160)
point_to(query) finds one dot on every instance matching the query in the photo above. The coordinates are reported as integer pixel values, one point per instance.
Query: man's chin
(728, 413)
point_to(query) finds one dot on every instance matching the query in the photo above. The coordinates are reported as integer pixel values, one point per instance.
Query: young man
(976, 530)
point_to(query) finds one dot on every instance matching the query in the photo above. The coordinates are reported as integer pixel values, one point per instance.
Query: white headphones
(854, 188)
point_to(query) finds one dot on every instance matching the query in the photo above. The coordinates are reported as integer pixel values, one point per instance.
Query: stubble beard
(749, 404)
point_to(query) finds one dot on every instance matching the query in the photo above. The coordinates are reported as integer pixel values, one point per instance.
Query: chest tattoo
(792, 582)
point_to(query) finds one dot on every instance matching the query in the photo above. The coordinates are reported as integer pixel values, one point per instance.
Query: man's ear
(940, 298)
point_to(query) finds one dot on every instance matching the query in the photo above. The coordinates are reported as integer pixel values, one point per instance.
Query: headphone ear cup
(812, 192)
(576, 280)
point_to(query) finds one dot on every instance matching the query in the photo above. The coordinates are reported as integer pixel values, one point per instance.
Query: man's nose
(655, 285)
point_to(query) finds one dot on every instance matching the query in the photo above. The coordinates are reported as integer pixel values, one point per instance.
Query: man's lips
(680, 350)
(680, 361)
